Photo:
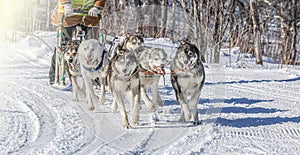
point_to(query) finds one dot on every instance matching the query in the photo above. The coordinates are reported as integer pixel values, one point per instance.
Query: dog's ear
(128, 35)
(182, 42)
(141, 38)
(69, 43)
(76, 43)
(119, 50)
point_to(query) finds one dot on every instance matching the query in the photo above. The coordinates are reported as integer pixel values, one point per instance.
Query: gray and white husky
(187, 77)
(123, 78)
(93, 61)
(151, 64)
(129, 44)
(74, 71)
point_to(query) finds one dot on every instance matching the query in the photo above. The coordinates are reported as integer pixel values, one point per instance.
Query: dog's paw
(91, 108)
(197, 122)
(182, 118)
(187, 116)
(101, 100)
(151, 107)
(114, 107)
(135, 121)
(126, 126)
(75, 99)
(160, 102)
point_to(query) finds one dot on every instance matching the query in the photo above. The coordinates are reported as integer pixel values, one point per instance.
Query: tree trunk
(164, 13)
(256, 31)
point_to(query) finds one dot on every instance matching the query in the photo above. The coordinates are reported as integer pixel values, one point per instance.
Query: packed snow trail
(251, 110)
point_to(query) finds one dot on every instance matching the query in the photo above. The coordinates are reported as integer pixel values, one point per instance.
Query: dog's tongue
(125, 75)
(186, 67)
(72, 66)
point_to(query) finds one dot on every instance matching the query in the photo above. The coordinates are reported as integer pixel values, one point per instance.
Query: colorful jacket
(81, 5)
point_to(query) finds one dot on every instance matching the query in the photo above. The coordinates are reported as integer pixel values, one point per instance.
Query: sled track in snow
(39, 122)
(268, 91)
(284, 137)
(143, 138)
(275, 138)
(53, 118)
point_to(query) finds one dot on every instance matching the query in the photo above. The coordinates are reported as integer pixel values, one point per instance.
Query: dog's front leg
(75, 89)
(156, 97)
(182, 99)
(89, 93)
(193, 105)
(120, 100)
(136, 105)
(145, 97)
(101, 99)
(114, 106)
(185, 110)
(82, 90)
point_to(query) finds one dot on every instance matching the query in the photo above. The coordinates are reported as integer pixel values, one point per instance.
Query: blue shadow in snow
(228, 101)
(254, 122)
(243, 110)
(233, 100)
(169, 90)
(170, 102)
(251, 81)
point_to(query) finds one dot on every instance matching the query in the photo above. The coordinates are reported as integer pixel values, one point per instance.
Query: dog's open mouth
(187, 67)
(73, 65)
(125, 75)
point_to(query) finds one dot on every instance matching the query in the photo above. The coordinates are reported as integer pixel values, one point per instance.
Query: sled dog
(187, 78)
(93, 62)
(71, 57)
(130, 43)
(122, 78)
(151, 66)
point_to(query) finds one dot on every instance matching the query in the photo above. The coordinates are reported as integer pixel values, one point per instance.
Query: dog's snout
(71, 60)
(124, 70)
(185, 61)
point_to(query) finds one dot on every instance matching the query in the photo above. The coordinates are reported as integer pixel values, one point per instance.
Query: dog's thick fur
(187, 77)
(74, 71)
(132, 41)
(151, 63)
(93, 61)
(123, 78)
(129, 44)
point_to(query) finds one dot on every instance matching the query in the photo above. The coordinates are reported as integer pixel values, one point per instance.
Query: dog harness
(98, 67)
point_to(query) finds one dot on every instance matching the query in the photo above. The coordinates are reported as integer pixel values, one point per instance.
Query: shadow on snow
(257, 121)
(251, 81)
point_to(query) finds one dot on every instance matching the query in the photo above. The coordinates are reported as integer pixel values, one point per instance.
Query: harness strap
(98, 67)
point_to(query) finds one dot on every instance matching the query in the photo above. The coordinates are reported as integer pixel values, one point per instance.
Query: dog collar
(98, 67)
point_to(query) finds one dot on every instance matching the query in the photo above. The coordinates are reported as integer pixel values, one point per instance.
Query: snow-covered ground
(245, 109)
